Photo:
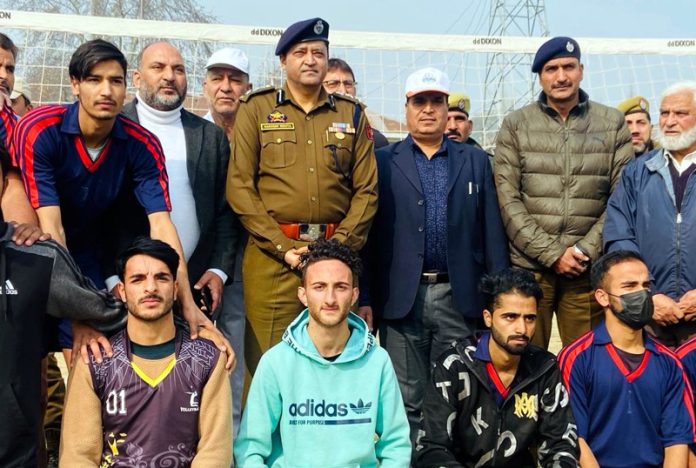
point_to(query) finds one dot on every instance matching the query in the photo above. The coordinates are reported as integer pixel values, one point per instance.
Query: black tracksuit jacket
(36, 283)
(464, 426)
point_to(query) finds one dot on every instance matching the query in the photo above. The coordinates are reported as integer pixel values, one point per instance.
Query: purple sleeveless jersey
(155, 423)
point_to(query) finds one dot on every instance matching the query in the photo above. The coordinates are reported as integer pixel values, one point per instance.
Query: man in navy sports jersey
(162, 399)
(630, 397)
(687, 355)
(15, 206)
(76, 159)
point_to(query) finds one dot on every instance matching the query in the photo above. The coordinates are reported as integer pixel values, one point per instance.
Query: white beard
(676, 143)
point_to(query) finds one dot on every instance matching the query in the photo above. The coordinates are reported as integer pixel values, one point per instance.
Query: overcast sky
(580, 18)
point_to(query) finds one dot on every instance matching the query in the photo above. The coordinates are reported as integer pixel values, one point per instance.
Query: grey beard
(161, 103)
(640, 147)
(676, 143)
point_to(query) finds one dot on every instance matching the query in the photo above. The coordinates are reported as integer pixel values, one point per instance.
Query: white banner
(106, 26)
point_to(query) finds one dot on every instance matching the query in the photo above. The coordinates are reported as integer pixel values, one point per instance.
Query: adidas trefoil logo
(9, 289)
(360, 407)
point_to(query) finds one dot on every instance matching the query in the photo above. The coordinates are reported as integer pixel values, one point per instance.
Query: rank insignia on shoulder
(253, 92)
(277, 117)
(347, 97)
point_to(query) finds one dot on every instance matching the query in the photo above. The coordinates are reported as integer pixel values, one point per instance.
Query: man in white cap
(21, 98)
(436, 232)
(226, 80)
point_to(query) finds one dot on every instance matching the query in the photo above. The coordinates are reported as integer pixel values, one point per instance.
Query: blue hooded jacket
(303, 410)
(642, 216)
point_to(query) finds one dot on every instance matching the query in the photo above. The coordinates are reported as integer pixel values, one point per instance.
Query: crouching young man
(629, 393)
(492, 403)
(162, 399)
(320, 396)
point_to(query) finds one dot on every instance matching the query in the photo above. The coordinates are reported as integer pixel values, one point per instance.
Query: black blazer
(207, 155)
(476, 241)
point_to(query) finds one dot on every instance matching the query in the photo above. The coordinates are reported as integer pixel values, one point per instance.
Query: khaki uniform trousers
(270, 299)
(572, 299)
(673, 335)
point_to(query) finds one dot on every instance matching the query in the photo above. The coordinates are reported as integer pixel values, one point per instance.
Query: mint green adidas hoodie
(303, 410)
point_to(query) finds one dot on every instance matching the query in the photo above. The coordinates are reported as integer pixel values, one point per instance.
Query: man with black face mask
(628, 392)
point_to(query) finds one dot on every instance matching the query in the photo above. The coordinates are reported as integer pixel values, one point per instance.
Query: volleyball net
(494, 71)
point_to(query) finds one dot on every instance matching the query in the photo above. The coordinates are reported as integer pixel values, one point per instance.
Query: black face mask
(637, 308)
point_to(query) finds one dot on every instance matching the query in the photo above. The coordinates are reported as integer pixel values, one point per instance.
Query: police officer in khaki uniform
(636, 111)
(302, 167)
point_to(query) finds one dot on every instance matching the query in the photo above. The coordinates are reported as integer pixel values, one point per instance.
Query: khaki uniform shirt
(288, 166)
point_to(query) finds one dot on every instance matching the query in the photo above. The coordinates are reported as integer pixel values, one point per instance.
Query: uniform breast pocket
(278, 148)
(338, 152)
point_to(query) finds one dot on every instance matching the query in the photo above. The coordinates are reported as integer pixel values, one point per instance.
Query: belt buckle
(429, 277)
(311, 232)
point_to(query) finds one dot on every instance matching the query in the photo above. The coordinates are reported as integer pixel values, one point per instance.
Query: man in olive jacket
(556, 162)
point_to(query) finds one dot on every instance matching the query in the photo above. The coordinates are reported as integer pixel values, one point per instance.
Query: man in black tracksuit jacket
(35, 282)
(496, 402)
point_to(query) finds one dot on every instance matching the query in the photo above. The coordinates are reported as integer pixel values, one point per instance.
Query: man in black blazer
(197, 154)
(437, 231)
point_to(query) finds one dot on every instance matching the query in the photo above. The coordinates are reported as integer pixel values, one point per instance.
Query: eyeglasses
(348, 84)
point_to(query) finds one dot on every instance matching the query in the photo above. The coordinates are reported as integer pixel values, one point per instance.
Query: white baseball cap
(229, 58)
(20, 89)
(427, 80)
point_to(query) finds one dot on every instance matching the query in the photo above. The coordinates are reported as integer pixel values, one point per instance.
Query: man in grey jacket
(556, 162)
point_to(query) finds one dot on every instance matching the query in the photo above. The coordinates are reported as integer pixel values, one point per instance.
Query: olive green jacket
(554, 177)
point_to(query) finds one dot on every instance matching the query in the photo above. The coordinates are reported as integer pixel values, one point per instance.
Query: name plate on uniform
(265, 127)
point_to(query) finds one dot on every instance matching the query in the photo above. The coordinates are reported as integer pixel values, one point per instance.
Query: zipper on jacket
(483, 379)
(678, 269)
(511, 391)
(566, 176)
(499, 415)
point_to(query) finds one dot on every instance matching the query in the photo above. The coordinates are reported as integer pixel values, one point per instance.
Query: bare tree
(44, 56)
(161, 10)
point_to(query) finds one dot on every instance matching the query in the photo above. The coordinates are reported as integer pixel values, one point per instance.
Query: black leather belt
(434, 277)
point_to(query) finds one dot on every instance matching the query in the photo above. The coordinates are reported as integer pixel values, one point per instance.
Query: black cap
(315, 29)
(555, 48)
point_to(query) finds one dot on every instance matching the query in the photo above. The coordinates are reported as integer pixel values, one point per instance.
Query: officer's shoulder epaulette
(348, 97)
(253, 92)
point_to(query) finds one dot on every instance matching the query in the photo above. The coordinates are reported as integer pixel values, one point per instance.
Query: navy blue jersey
(8, 122)
(627, 418)
(58, 171)
(687, 356)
